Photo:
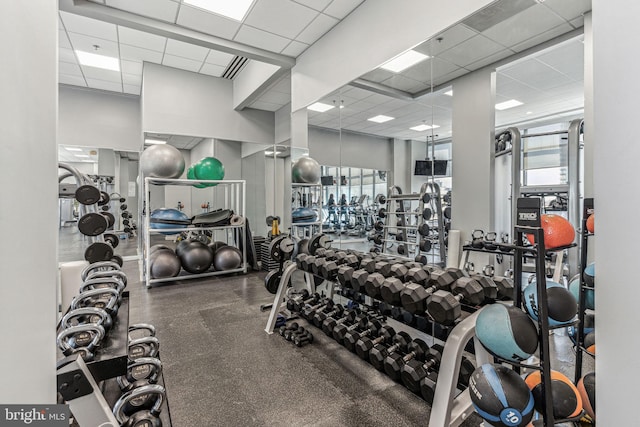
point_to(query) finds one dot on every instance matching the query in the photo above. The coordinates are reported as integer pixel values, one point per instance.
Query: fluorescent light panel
(98, 61)
(234, 9)
(72, 149)
(380, 119)
(81, 155)
(449, 92)
(154, 141)
(320, 107)
(422, 128)
(404, 61)
(270, 153)
(508, 104)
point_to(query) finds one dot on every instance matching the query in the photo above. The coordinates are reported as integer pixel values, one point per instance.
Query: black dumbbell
(102, 251)
(415, 370)
(329, 324)
(368, 264)
(290, 334)
(359, 279)
(295, 303)
(344, 274)
(505, 287)
(290, 327)
(300, 261)
(379, 352)
(373, 285)
(443, 279)
(489, 287)
(444, 307)
(314, 267)
(365, 344)
(351, 337)
(310, 310)
(417, 275)
(320, 316)
(340, 330)
(428, 383)
(328, 270)
(306, 263)
(394, 362)
(302, 339)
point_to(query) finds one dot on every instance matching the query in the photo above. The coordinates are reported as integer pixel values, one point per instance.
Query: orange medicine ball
(591, 223)
(567, 402)
(557, 231)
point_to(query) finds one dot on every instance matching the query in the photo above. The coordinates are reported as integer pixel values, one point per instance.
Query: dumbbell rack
(448, 409)
(234, 199)
(306, 229)
(588, 209)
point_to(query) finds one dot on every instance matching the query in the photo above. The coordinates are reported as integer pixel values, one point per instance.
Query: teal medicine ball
(561, 305)
(507, 332)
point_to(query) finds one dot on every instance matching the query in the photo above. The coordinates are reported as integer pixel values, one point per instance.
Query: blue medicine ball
(590, 298)
(167, 218)
(507, 332)
(501, 396)
(590, 274)
(561, 307)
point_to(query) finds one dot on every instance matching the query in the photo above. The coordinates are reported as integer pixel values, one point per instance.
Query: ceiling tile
(317, 28)
(471, 50)
(452, 75)
(186, 50)
(101, 74)
(139, 54)
(208, 23)
(262, 39)
(282, 17)
(212, 70)
(568, 58)
(341, 8)
(294, 49)
(569, 10)
(141, 39)
(218, 58)
(402, 83)
(276, 97)
(356, 92)
(511, 88)
(100, 84)
(91, 27)
(423, 70)
(318, 5)
(378, 75)
(261, 105)
(132, 79)
(182, 63)
(496, 13)
(131, 89)
(536, 74)
(63, 40)
(87, 44)
(521, 27)
(131, 67)
(67, 55)
(69, 69)
(578, 22)
(71, 80)
(451, 37)
(489, 60)
(541, 38)
(164, 10)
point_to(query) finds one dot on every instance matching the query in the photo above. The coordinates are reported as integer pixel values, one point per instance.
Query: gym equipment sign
(34, 415)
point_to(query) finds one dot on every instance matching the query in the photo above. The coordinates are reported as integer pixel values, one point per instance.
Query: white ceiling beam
(148, 25)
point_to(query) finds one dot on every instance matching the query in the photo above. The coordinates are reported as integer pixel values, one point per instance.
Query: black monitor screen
(423, 167)
(326, 180)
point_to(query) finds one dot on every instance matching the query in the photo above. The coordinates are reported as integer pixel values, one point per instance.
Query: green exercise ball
(209, 168)
(192, 175)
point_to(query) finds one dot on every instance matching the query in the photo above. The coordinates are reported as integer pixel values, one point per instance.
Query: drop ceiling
(179, 141)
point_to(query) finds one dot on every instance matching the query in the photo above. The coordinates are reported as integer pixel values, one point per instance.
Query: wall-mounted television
(326, 180)
(423, 167)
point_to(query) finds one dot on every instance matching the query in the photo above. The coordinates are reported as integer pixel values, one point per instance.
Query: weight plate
(272, 281)
(117, 259)
(87, 194)
(104, 199)
(425, 245)
(274, 248)
(98, 251)
(447, 212)
(318, 241)
(92, 224)
(423, 229)
(426, 214)
(426, 198)
(112, 239)
(111, 220)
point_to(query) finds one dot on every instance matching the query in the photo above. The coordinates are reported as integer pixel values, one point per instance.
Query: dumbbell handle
(378, 340)
(409, 356)
(430, 362)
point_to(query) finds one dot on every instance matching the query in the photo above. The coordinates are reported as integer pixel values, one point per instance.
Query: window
(544, 158)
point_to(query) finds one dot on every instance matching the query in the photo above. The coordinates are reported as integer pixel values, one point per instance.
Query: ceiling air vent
(234, 67)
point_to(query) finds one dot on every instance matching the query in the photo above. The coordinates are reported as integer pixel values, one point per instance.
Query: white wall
(254, 77)
(402, 170)
(253, 171)
(29, 194)
(283, 124)
(331, 148)
(91, 118)
(184, 103)
(357, 45)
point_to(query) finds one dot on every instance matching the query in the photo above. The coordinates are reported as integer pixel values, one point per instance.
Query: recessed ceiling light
(270, 153)
(529, 112)
(380, 119)
(320, 107)
(98, 61)
(508, 104)
(449, 93)
(404, 61)
(154, 141)
(72, 149)
(88, 161)
(81, 155)
(422, 128)
(234, 9)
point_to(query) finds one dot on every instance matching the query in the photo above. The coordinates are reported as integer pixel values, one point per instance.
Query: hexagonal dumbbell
(358, 280)
(456, 272)
(365, 344)
(428, 382)
(373, 285)
(398, 270)
(412, 264)
(301, 296)
(444, 307)
(320, 316)
(314, 267)
(332, 321)
(394, 363)
(443, 279)
(417, 275)
(368, 264)
(328, 270)
(413, 297)
(382, 267)
(390, 290)
(310, 310)
(379, 352)
(489, 286)
(299, 303)
(415, 370)
(344, 275)
(344, 258)
(300, 260)
(351, 337)
(340, 330)
(306, 263)
(505, 287)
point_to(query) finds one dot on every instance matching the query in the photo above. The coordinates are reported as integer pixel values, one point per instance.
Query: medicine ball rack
(588, 209)
(310, 196)
(233, 198)
(449, 407)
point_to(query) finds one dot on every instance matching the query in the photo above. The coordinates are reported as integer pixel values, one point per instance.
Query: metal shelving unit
(313, 194)
(234, 198)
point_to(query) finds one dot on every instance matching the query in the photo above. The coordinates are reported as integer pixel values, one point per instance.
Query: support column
(588, 107)
(29, 194)
(473, 165)
(300, 129)
(615, 161)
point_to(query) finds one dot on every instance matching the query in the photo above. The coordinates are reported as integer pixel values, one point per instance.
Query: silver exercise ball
(227, 258)
(162, 161)
(164, 263)
(305, 171)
